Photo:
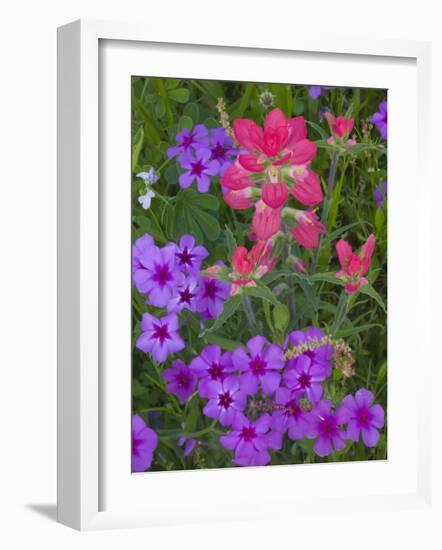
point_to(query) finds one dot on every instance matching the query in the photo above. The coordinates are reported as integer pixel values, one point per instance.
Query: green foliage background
(160, 108)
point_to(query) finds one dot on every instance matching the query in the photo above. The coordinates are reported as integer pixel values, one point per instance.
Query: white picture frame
(81, 470)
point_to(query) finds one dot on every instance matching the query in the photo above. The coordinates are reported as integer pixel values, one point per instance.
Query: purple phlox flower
(225, 400)
(149, 177)
(325, 428)
(158, 274)
(138, 249)
(362, 417)
(380, 119)
(188, 140)
(251, 440)
(198, 167)
(304, 377)
(321, 354)
(211, 365)
(160, 337)
(188, 443)
(290, 415)
(181, 380)
(184, 296)
(380, 193)
(316, 91)
(221, 149)
(188, 256)
(261, 365)
(144, 443)
(212, 294)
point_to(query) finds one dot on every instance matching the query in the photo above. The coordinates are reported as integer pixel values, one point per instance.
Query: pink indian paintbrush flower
(354, 266)
(340, 126)
(266, 221)
(307, 189)
(281, 140)
(248, 266)
(308, 229)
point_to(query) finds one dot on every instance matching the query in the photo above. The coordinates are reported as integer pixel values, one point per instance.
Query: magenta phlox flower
(289, 415)
(212, 294)
(260, 365)
(303, 377)
(226, 400)
(158, 274)
(180, 380)
(189, 256)
(362, 417)
(250, 441)
(189, 140)
(211, 365)
(326, 429)
(144, 443)
(160, 336)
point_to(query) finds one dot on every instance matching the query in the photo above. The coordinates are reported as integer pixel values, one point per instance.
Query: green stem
(249, 310)
(341, 313)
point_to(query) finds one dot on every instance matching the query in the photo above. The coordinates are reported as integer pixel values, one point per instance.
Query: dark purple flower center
(186, 296)
(185, 257)
(364, 417)
(293, 409)
(327, 426)
(197, 168)
(248, 433)
(182, 380)
(258, 366)
(161, 333)
(187, 141)
(304, 380)
(162, 274)
(215, 371)
(218, 152)
(135, 445)
(210, 289)
(225, 400)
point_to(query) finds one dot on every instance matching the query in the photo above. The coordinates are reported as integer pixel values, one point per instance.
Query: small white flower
(146, 199)
(148, 177)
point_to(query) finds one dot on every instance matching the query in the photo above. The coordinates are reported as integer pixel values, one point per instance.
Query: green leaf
(326, 278)
(224, 343)
(164, 94)
(346, 332)
(319, 129)
(379, 219)
(382, 374)
(172, 83)
(230, 306)
(192, 110)
(245, 100)
(341, 230)
(203, 200)
(148, 226)
(149, 126)
(208, 224)
(181, 95)
(281, 317)
(370, 291)
(185, 122)
(193, 413)
(261, 291)
(230, 240)
(136, 147)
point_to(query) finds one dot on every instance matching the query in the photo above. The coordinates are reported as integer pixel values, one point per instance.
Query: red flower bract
(354, 266)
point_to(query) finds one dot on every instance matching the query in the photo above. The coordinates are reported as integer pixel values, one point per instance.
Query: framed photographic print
(233, 233)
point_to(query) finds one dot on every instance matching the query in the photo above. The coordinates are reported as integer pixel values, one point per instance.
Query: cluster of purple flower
(284, 386)
(202, 154)
(170, 277)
